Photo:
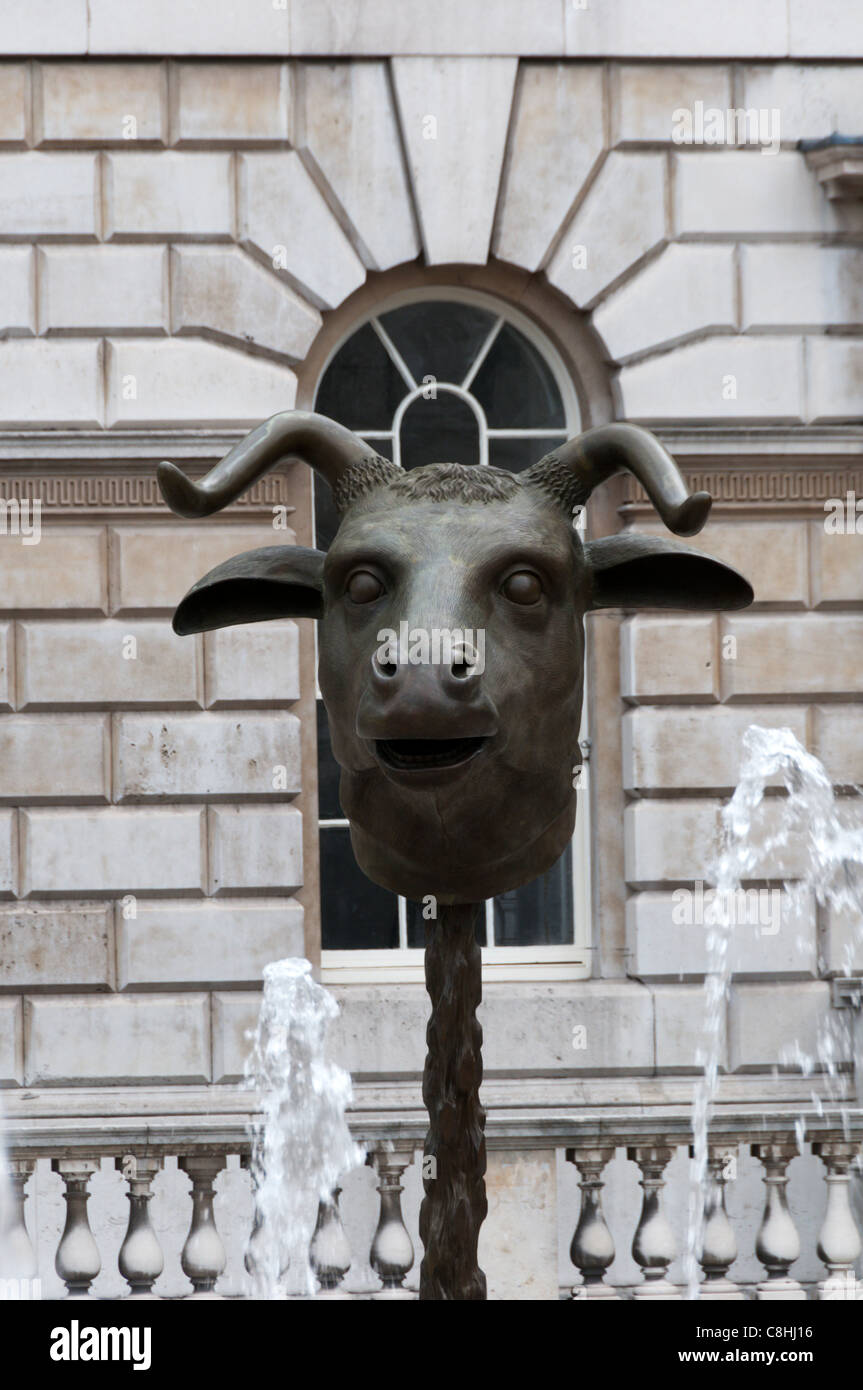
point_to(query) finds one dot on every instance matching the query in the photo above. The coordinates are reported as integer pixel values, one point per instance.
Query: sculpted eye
(363, 587)
(522, 587)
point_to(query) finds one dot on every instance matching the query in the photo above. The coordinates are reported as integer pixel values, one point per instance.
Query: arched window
(445, 376)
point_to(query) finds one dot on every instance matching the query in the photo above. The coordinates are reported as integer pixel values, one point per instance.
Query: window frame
(404, 964)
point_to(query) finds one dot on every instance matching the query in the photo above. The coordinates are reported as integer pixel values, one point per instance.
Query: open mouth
(418, 754)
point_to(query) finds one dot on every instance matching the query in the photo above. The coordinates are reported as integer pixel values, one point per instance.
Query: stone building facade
(198, 206)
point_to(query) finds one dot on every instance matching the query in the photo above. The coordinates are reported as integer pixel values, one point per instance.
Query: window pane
(518, 454)
(416, 926)
(540, 913)
(384, 447)
(439, 339)
(439, 431)
(361, 387)
(356, 915)
(328, 772)
(515, 387)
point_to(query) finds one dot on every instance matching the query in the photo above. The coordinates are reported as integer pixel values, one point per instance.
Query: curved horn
(573, 471)
(329, 448)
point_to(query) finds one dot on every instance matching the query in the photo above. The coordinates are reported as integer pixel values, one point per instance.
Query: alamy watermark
(752, 907)
(21, 518)
(77, 1343)
(733, 126)
(435, 646)
(843, 516)
(20, 1290)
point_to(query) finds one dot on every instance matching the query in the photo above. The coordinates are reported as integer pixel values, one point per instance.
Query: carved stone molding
(106, 495)
(762, 486)
(837, 162)
(100, 475)
(104, 474)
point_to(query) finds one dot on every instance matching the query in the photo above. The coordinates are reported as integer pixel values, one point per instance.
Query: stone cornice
(103, 475)
(526, 1112)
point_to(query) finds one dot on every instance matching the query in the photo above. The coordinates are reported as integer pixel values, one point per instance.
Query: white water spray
(809, 818)
(302, 1144)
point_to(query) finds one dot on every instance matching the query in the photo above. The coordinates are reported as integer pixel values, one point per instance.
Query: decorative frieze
(121, 494)
(778, 484)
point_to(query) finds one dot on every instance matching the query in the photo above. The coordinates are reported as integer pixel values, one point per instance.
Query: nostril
(463, 664)
(384, 666)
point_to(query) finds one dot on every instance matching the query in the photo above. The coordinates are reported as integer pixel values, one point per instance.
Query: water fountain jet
(301, 1146)
(809, 813)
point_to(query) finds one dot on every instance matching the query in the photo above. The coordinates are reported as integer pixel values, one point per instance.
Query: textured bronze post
(455, 1205)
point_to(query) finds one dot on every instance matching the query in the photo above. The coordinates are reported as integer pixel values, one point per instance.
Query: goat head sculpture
(457, 773)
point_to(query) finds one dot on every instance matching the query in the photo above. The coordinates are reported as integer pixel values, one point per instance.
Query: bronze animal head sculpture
(451, 634)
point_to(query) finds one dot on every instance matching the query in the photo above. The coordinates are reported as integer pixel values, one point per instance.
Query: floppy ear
(648, 572)
(277, 581)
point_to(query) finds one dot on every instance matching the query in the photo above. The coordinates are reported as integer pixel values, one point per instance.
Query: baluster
(592, 1249)
(140, 1260)
(16, 1248)
(392, 1252)
(329, 1252)
(654, 1246)
(839, 1239)
(77, 1260)
(251, 1259)
(203, 1258)
(777, 1244)
(719, 1246)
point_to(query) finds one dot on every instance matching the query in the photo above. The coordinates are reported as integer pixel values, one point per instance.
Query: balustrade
(140, 1260)
(655, 1242)
(653, 1245)
(777, 1244)
(592, 1249)
(718, 1244)
(78, 1260)
(392, 1253)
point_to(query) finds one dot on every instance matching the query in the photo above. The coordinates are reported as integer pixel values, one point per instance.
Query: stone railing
(777, 1243)
(139, 1150)
(141, 1260)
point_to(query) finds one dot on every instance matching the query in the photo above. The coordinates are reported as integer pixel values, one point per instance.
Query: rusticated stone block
(112, 852)
(255, 848)
(190, 944)
(55, 946)
(152, 1038)
(180, 757)
(98, 664)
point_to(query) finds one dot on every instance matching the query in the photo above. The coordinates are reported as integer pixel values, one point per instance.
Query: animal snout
(407, 697)
(458, 672)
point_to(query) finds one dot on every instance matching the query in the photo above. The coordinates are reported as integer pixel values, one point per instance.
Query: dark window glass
(328, 772)
(356, 915)
(540, 913)
(439, 339)
(361, 387)
(515, 387)
(444, 430)
(518, 454)
(384, 447)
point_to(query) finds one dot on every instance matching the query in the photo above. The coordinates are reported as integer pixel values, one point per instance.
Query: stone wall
(149, 837)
